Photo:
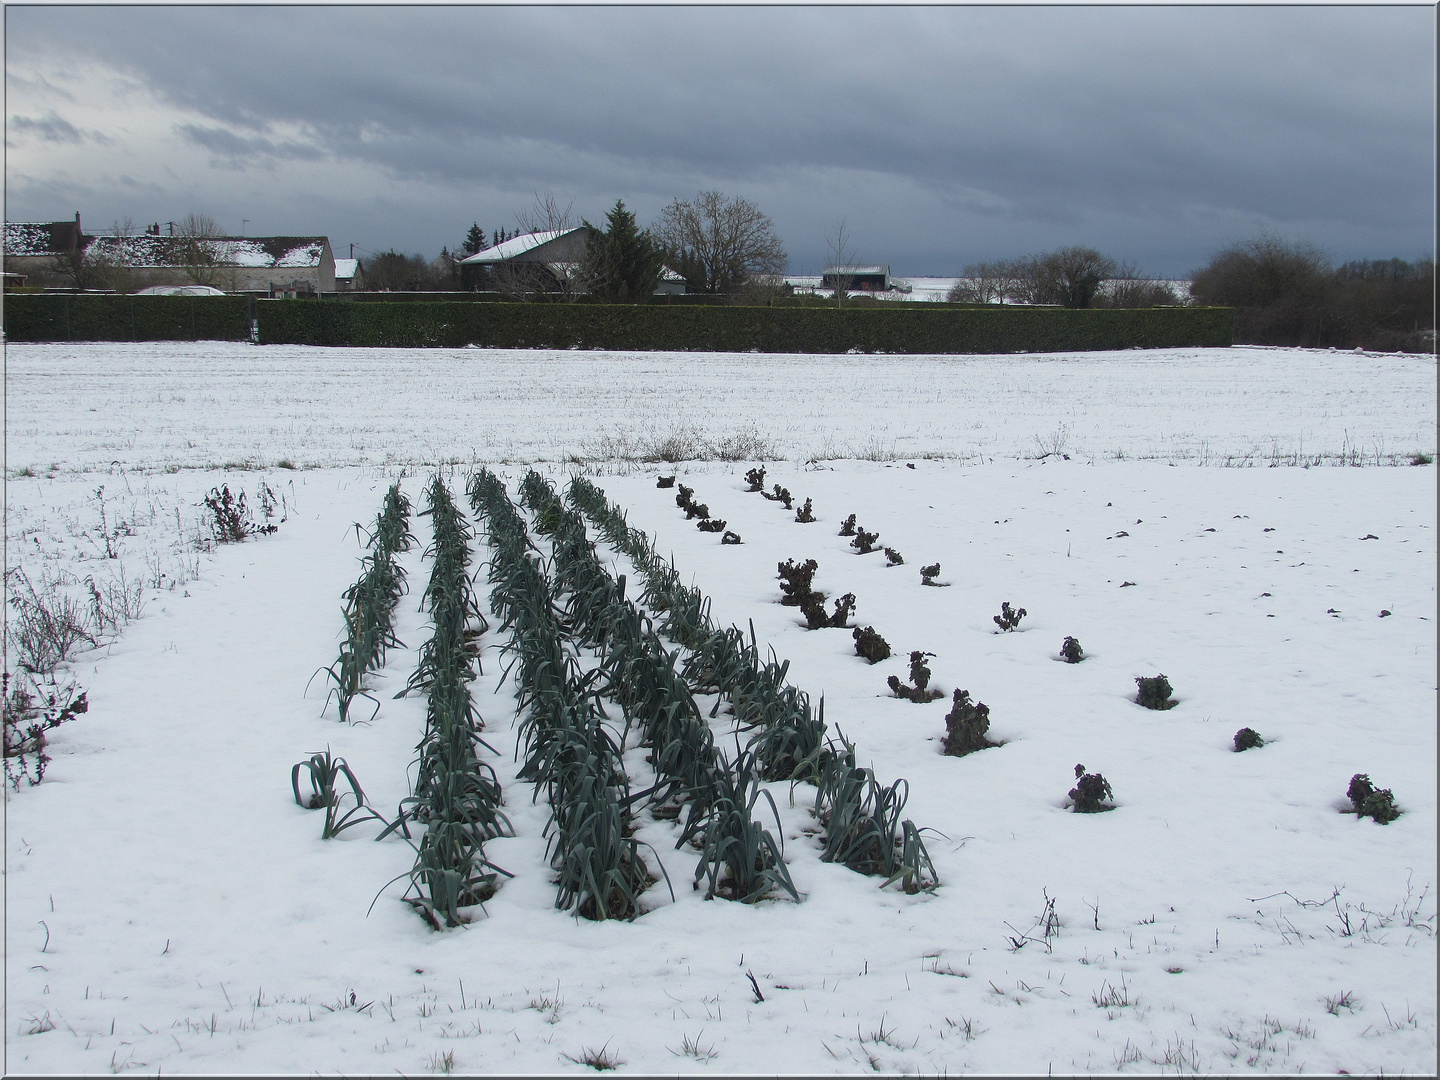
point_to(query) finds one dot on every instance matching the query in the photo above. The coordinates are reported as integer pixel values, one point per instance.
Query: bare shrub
(745, 444)
(49, 624)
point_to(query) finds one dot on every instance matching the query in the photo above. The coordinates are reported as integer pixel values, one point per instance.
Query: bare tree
(718, 244)
(546, 215)
(197, 249)
(109, 262)
(393, 271)
(1128, 288)
(81, 266)
(1283, 291)
(987, 283)
(1070, 276)
(842, 260)
(523, 279)
(446, 270)
(1029, 283)
(761, 290)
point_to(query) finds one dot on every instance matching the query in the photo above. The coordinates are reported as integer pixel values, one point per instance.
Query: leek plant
(325, 773)
(738, 858)
(863, 827)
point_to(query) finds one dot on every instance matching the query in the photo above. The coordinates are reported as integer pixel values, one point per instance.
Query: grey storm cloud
(51, 128)
(237, 150)
(1021, 124)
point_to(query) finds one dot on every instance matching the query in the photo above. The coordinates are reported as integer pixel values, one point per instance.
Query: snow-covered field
(170, 909)
(213, 404)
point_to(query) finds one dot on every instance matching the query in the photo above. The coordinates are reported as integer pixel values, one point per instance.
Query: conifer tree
(623, 262)
(474, 239)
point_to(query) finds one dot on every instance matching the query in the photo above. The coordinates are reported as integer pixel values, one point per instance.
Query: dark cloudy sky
(942, 135)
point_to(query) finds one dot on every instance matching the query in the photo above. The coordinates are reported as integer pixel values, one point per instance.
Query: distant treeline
(1289, 294)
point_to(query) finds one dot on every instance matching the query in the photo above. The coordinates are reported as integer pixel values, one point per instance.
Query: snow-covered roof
(249, 251)
(516, 245)
(346, 269)
(876, 269)
(30, 238)
(666, 274)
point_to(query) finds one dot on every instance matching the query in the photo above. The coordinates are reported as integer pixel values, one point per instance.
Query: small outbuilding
(671, 283)
(348, 276)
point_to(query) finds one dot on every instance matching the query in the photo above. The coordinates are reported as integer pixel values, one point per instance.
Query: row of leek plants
(739, 858)
(789, 734)
(569, 753)
(864, 829)
(370, 605)
(456, 796)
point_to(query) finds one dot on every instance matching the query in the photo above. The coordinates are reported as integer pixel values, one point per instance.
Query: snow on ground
(930, 289)
(169, 908)
(210, 404)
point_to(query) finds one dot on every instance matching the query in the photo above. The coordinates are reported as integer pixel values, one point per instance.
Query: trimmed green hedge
(78, 317)
(911, 329)
(466, 297)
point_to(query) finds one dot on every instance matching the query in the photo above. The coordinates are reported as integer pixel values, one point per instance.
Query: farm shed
(860, 278)
(540, 261)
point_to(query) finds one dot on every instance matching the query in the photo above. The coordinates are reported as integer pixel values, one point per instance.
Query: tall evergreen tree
(623, 262)
(474, 239)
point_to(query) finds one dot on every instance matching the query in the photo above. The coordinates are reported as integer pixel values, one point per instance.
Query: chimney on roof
(77, 221)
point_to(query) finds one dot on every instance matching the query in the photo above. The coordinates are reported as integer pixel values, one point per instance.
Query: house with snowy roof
(46, 252)
(295, 264)
(40, 249)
